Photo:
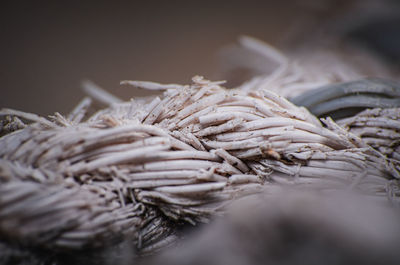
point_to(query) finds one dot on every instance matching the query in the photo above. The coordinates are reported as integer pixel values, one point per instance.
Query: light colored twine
(134, 168)
(139, 170)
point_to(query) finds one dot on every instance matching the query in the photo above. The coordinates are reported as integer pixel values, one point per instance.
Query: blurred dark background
(48, 47)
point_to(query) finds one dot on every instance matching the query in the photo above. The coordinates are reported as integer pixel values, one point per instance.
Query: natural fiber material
(379, 128)
(136, 174)
(139, 170)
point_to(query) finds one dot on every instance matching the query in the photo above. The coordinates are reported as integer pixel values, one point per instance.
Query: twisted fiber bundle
(140, 170)
(326, 83)
(379, 128)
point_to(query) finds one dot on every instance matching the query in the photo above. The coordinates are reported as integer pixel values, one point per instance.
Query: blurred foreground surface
(289, 227)
(295, 227)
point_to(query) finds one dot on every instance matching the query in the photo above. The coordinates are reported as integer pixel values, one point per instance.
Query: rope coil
(139, 169)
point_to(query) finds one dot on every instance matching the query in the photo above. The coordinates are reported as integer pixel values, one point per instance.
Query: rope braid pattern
(139, 170)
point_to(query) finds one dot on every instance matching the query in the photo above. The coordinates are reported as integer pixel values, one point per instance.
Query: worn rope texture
(379, 128)
(141, 169)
